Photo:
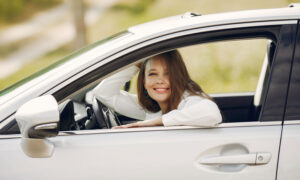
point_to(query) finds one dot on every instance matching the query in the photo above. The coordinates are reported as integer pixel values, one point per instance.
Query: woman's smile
(161, 90)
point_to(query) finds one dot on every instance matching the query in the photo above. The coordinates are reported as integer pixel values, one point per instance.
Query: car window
(229, 71)
(232, 73)
(224, 67)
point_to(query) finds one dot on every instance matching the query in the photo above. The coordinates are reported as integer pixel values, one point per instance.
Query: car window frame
(239, 33)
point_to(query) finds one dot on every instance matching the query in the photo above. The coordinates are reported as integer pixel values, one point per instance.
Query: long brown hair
(180, 81)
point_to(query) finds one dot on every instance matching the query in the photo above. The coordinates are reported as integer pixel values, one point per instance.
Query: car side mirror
(37, 120)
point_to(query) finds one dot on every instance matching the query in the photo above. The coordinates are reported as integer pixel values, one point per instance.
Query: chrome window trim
(238, 94)
(10, 136)
(162, 128)
(261, 79)
(158, 128)
(290, 122)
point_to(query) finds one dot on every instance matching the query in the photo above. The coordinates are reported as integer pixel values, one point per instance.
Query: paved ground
(51, 30)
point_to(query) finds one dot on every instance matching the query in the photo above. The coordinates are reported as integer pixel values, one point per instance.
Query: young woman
(166, 95)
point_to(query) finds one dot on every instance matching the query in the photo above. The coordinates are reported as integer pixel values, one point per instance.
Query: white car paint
(156, 154)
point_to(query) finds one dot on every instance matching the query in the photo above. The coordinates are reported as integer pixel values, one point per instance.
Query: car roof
(291, 12)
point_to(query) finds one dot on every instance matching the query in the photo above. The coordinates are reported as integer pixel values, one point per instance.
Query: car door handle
(250, 159)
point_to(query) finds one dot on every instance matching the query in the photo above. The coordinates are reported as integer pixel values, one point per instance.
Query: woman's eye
(151, 74)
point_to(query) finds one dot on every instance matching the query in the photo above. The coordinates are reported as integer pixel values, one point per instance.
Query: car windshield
(60, 62)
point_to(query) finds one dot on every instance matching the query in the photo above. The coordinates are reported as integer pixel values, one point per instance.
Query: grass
(223, 67)
(231, 66)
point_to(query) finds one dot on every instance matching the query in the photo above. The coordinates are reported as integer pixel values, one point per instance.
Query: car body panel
(152, 154)
(288, 163)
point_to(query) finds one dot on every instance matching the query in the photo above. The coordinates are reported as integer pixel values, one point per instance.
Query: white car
(65, 135)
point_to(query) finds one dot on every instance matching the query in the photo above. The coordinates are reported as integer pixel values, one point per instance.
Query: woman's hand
(147, 123)
(139, 65)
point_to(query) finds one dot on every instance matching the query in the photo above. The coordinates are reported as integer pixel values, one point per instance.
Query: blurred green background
(14, 11)
(231, 75)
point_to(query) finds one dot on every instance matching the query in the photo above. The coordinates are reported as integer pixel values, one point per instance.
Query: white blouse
(192, 110)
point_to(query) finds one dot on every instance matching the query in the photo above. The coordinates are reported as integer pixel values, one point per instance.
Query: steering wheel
(105, 117)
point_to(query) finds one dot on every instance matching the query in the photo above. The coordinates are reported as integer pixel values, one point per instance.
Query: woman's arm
(196, 112)
(109, 93)
(146, 123)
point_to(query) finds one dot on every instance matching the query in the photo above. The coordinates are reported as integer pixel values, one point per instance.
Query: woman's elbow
(214, 120)
(101, 92)
(214, 117)
(102, 97)
(217, 119)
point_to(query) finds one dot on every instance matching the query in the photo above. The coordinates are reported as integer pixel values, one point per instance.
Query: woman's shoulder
(188, 96)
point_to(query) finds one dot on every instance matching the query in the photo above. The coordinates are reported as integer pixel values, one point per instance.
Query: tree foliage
(14, 10)
(137, 8)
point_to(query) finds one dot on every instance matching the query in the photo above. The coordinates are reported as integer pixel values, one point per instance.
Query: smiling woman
(154, 83)
(166, 95)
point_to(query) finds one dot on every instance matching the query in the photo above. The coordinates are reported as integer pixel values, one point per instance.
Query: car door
(240, 150)
(152, 153)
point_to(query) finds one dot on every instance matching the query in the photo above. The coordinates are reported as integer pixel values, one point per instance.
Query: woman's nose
(160, 80)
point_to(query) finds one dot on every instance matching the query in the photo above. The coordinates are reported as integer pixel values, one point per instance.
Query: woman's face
(157, 81)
